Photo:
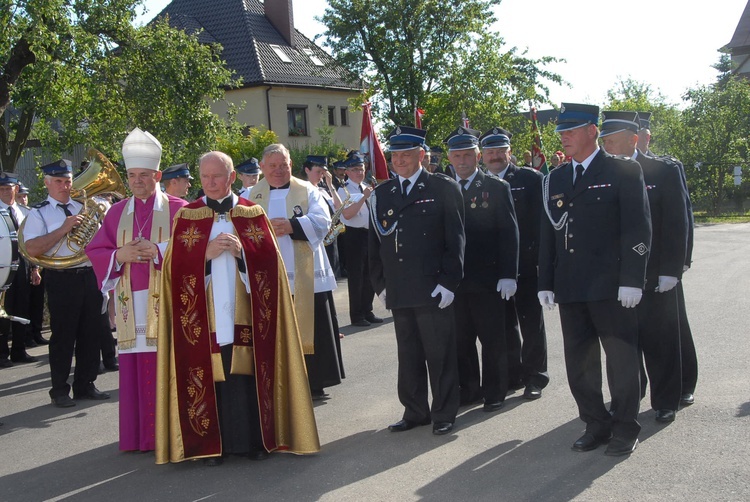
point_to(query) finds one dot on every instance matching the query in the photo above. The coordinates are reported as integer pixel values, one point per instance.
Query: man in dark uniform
(490, 270)
(416, 260)
(527, 365)
(658, 317)
(248, 172)
(17, 294)
(592, 261)
(73, 295)
(176, 180)
(689, 357)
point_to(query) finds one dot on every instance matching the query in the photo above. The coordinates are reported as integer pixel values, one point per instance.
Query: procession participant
(490, 270)
(658, 316)
(592, 261)
(356, 217)
(73, 297)
(231, 376)
(249, 173)
(416, 250)
(176, 180)
(300, 221)
(127, 254)
(17, 294)
(689, 358)
(316, 172)
(527, 363)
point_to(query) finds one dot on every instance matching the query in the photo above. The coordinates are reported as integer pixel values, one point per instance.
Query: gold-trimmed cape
(186, 413)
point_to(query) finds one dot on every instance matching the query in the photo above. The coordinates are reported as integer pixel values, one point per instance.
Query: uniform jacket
(427, 246)
(666, 198)
(607, 237)
(526, 189)
(491, 251)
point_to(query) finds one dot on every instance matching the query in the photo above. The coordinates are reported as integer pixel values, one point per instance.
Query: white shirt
(585, 163)
(47, 219)
(412, 180)
(469, 179)
(362, 218)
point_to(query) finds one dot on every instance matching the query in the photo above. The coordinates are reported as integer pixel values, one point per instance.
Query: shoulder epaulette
(443, 176)
(40, 205)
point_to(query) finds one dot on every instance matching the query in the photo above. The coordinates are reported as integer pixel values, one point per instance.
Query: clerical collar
(222, 205)
(282, 187)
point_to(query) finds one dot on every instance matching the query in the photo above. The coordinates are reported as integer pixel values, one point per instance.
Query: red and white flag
(464, 120)
(370, 146)
(418, 114)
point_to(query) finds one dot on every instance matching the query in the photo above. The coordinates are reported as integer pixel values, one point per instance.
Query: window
(344, 116)
(331, 115)
(297, 118)
(280, 52)
(316, 61)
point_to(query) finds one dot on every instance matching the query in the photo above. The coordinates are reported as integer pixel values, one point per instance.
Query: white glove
(546, 299)
(446, 297)
(506, 288)
(666, 282)
(629, 297)
(381, 297)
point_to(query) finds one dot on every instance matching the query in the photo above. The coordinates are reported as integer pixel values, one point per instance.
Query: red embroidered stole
(195, 346)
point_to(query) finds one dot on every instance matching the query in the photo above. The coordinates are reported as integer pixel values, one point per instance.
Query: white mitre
(141, 150)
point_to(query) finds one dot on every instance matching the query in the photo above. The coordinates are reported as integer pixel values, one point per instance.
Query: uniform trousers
(659, 340)
(75, 304)
(361, 293)
(527, 363)
(478, 315)
(36, 309)
(687, 346)
(586, 325)
(426, 340)
(17, 304)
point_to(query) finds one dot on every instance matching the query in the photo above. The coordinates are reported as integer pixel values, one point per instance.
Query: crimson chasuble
(266, 341)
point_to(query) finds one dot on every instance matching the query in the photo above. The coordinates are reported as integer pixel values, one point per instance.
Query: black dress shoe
(5, 363)
(362, 323)
(213, 461)
(665, 416)
(91, 392)
(532, 392)
(100, 370)
(621, 446)
(23, 358)
(30, 343)
(490, 407)
(63, 401)
(318, 395)
(687, 399)
(440, 428)
(40, 340)
(405, 425)
(589, 442)
(372, 318)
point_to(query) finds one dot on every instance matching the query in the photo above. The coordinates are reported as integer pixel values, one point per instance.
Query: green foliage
(96, 77)
(325, 146)
(441, 56)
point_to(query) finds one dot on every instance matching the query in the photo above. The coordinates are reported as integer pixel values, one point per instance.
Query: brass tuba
(100, 177)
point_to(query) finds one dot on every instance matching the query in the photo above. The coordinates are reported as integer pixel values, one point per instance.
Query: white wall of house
(312, 109)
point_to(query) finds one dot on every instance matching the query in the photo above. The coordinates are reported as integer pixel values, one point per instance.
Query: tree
(96, 77)
(441, 56)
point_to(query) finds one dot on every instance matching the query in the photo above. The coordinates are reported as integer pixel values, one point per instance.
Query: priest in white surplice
(301, 221)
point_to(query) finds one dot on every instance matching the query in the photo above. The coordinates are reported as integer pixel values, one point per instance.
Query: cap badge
(397, 131)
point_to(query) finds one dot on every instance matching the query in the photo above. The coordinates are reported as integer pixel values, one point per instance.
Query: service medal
(559, 203)
(485, 205)
(473, 205)
(385, 223)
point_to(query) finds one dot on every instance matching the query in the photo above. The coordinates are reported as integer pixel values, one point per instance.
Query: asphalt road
(520, 453)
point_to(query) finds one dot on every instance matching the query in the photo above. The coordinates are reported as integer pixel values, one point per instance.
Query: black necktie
(359, 187)
(12, 215)
(463, 184)
(282, 187)
(65, 209)
(404, 186)
(579, 173)
(220, 207)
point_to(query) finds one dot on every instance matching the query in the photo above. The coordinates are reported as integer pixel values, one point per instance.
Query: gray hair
(221, 157)
(275, 148)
